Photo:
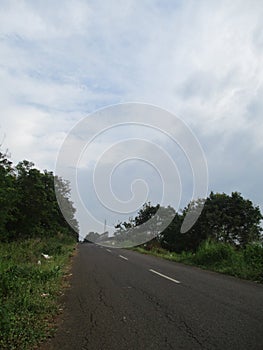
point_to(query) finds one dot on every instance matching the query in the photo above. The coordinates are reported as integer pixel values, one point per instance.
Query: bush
(221, 257)
(253, 255)
(212, 253)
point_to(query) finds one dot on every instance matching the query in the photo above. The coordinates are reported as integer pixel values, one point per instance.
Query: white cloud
(201, 60)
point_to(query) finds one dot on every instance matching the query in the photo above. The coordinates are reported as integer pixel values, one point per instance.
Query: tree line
(28, 203)
(224, 218)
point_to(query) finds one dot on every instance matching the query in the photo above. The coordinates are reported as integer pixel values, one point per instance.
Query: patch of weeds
(244, 263)
(29, 289)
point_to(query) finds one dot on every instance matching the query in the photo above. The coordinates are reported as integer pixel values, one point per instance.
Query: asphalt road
(121, 299)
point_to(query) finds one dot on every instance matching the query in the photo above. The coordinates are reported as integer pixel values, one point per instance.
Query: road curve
(121, 299)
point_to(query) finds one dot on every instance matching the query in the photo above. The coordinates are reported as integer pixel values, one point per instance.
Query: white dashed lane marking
(164, 276)
(123, 257)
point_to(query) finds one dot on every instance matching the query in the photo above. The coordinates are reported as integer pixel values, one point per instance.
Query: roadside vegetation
(244, 263)
(36, 244)
(227, 237)
(30, 288)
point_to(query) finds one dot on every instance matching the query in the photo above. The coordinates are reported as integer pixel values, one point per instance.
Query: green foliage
(31, 223)
(8, 194)
(134, 231)
(28, 202)
(211, 253)
(29, 291)
(229, 219)
(245, 263)
(92, 237)
(146, 213)
(227, 237)
(223, 219)
(253, 255)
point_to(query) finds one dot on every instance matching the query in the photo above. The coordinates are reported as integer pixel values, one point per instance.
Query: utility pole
(105, 226)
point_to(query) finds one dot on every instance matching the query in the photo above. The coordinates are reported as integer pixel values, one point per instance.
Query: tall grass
(245, 263)
(30, 286)
(213, 254)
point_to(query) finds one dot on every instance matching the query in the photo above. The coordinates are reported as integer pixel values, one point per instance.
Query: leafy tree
(135, 230)
(232, 219)
(172, 238)
(63, 196)
(31, 196)
(8, 194)
(28, 203)
(229, 219)
(146, 213)
(91, 237)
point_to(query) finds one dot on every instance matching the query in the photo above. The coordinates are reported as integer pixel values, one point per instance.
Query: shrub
(211, 253)
(253, 255)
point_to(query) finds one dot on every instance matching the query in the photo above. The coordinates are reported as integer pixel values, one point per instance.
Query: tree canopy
(224, 218)
(28, 203)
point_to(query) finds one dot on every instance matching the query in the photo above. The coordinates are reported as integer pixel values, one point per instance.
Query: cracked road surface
(121, 299)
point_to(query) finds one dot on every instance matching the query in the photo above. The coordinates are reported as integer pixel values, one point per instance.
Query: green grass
(245, 263)
(29, 291)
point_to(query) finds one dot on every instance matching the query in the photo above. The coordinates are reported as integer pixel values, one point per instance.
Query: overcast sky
(200, 60)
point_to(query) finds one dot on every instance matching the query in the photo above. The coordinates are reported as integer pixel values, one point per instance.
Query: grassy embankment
(245, 263)
(30, 287)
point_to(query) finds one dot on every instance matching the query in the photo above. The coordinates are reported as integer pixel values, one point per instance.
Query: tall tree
(8, 195)
(28, 202)
(231, 219)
